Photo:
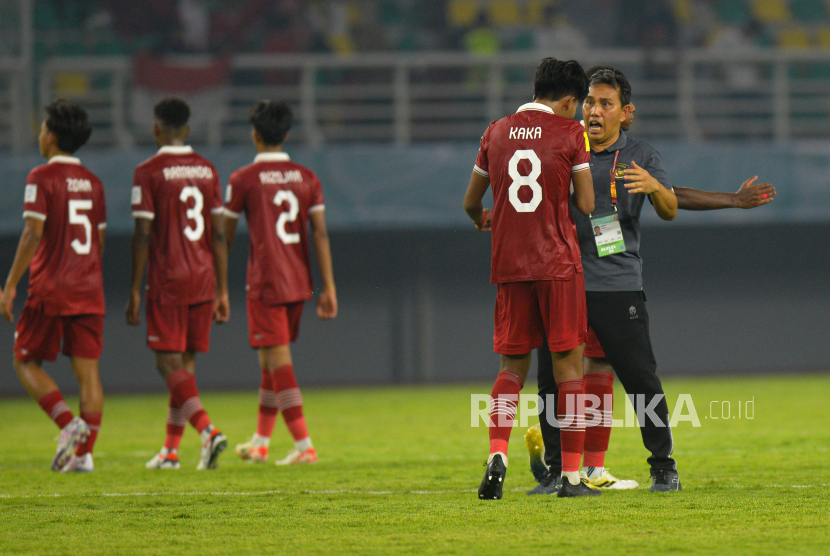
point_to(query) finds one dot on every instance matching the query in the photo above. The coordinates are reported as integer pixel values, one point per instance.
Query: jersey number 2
(529, 180)
(76, 218)
(195, 213)
(287, 216)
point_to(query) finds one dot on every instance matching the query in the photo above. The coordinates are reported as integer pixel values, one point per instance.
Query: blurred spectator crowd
(73, 27)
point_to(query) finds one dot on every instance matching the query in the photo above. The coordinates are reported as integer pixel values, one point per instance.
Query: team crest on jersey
(619, 171)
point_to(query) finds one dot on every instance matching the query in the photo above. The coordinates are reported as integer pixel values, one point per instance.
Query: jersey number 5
(528, 180)
(287, 196)
(76, 218)
(195, 213)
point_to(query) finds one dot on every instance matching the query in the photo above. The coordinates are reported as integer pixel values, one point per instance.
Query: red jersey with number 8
(65, 276)
(276, 196)
(179, 191)
(529, 157)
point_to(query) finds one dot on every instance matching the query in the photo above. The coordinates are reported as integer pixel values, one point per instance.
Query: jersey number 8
(528, 180)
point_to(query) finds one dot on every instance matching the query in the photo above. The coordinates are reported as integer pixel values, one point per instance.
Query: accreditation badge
(608, 234)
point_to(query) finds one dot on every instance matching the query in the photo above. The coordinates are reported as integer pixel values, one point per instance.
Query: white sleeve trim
(35, 215)
(484, 173)
(217, 210)
(143, 214)
(316, 208)
(102, 226)
(231, 214)
(580, 167)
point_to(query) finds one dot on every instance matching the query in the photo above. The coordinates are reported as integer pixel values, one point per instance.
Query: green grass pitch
(397, 474)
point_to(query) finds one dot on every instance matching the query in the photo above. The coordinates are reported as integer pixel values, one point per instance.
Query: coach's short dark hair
(172, 113)
(70, 124)
(272, 119)
(556, 79)
(613, 78)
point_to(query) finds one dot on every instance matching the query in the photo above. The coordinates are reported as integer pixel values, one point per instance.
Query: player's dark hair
(556, 79)
(272, 119)
(172, 113)
(70, 124)
(613, 78)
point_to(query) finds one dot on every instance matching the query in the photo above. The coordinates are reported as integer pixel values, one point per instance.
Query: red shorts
(38, 336)
(179, 327)
(273, 325)
(528, 312)
(592, 347)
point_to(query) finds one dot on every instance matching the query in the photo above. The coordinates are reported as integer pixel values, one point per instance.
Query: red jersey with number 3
(179, 191)
(276, 196)
(65, 275)
(529, 157)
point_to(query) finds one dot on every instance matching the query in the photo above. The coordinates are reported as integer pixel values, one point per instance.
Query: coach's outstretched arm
(583, 196)
(26, 249)
(747, 197)
(472, 201)
(140, 248)
(327, 302)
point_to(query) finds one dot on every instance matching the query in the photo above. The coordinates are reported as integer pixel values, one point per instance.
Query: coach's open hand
(751, 196)
(638, 180)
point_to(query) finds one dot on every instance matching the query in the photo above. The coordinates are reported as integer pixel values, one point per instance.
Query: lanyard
(614, 180)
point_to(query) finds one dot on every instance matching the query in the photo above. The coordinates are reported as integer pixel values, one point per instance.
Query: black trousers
(620, 322)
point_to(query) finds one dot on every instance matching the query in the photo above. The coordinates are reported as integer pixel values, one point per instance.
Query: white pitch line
(332, 491)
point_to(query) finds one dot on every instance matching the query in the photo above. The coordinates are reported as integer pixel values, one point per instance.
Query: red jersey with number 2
(277, 196)
(529, 157)
(179, 191)
(65, 275)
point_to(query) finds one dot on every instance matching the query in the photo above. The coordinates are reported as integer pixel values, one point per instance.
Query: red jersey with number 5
(65, 275)
(276, 196)
(179, 191)
(529, 157)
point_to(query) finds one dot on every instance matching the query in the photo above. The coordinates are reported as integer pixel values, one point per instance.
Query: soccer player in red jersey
(530, 158)
(179, 234)
(61, 246)
(279, 198)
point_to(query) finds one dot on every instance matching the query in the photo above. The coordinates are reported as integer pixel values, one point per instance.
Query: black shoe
(493, 481)
(551, 483)
(582, 489)
(664, 480)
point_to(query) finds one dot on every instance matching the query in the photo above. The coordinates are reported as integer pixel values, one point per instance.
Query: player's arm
(26, 249)
(230, 231)
(219, 245)
(583, 195)
(102, 239)
(327, 302)
(472, 201)
(140, 248)
(638, 180)
(747, 197)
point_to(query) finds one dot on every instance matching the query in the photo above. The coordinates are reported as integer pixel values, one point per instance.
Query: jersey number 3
(529, 180)
(195, 213)
(287, 196)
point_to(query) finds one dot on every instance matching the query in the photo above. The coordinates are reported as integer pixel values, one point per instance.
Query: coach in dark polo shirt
(618, 336)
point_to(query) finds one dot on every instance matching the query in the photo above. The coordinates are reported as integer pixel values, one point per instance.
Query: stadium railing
(753, 94)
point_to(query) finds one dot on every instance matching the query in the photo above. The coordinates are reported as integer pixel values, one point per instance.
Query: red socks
(175, 426)
(93, 420)
(503, 404)
(55, 407)
(182, 386)
(268, 407)
(600, 385)
(290, 401)
(571, 413)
